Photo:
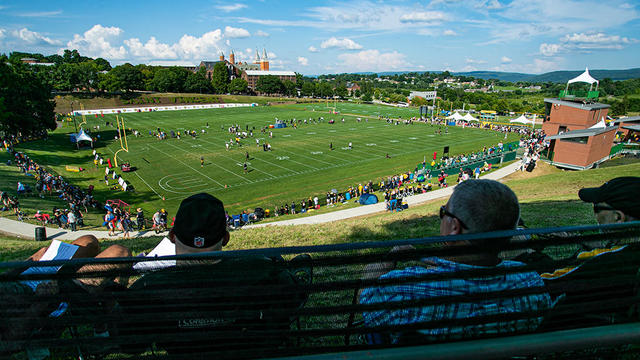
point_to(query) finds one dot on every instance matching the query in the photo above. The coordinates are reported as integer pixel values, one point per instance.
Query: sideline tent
(456, 117)
(82, 136)
(469, 117)
(368, 199)
(522, 120)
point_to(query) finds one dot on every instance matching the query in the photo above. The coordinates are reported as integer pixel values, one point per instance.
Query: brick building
(576, 129)
(250, 72)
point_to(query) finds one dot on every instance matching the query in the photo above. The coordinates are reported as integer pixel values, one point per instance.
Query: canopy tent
(456, 117)
(82, 136)
(585, 77)
(469, 117)
(522, 120)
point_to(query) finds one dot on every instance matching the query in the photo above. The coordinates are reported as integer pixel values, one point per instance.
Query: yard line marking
(149, 186)
(268, 162)
(213, 163)
(185, 164)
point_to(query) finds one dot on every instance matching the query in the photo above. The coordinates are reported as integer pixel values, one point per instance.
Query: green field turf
(300, 165)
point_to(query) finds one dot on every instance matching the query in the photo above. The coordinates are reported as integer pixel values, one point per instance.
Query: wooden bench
(251, 307)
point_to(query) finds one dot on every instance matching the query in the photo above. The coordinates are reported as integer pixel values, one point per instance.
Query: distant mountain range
(554, 76)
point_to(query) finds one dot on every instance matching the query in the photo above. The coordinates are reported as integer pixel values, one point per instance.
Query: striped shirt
(491, 305)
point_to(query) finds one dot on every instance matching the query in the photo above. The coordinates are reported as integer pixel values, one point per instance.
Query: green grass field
(300, 165)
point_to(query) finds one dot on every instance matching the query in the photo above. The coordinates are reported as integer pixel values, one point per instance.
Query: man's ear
(620, 217)
(225, 238)
(172, 236)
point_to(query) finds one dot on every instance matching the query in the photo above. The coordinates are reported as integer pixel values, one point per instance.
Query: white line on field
(185, 164)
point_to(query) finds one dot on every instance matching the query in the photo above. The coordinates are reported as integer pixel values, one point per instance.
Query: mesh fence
(308, 300)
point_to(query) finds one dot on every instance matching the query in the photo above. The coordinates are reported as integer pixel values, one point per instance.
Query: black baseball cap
(620, 193)
(201, 221)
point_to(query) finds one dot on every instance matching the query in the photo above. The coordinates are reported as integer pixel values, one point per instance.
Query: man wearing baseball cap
(616, 201)
(200, 225)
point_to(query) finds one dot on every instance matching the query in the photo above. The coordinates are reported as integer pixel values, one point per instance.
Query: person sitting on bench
(210, 303)
(475, 206)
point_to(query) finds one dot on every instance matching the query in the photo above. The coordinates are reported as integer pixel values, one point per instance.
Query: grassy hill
(548, 197)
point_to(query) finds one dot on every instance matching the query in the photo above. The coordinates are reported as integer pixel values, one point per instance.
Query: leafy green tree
(170, 79)
(220, 77)
(25, 101)
(102, 64)
(126, 77)
(269, 84)
(198, 83)
(238, 86)
(341, 91)
(357, 93)
(367, 97)
(419, 101)
(325, 90)
(308, 88)
(289, 88)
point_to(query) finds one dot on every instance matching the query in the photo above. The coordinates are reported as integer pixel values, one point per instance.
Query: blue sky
(319, 37)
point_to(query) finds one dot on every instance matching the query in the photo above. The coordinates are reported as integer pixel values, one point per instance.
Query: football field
(301, 163)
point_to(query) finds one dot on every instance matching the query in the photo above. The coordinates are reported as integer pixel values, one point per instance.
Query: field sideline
(300, 165)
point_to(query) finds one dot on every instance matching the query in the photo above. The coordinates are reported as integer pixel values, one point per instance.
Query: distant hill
(554, 76)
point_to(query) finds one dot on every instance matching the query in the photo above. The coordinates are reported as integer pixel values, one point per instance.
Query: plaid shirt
(458, 310)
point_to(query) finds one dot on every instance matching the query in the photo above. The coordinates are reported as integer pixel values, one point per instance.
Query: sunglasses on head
(444, 212)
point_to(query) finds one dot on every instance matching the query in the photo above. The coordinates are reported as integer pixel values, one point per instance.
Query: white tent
(82, 136)
(585, 77)
(600, 125)
(522, 120)
(469, 117)
(456, 117)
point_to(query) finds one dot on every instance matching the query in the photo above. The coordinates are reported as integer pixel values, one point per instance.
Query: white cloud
(597, 41)
(550, 49)
(230, 8)
(313, 49)
(586, 42)
(2, 32)
(303, 61)
(261, 33)
(198, 48)
(505, 60)
(474, 61)
(235, 33)
(151, 50)
(33, 38)
(40, 14)
(626, 6)
(524, 19)
(343, 43)
(372, 60)
(489, 4)
(424, 17)
(360, 15)
(449, 32)
(97, 42)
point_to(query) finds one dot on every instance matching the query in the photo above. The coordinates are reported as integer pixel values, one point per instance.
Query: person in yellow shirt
(616, 201)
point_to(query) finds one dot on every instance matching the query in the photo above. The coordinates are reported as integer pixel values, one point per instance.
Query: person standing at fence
(475, 206)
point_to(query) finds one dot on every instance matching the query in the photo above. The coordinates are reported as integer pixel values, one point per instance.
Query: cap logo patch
(198, 241)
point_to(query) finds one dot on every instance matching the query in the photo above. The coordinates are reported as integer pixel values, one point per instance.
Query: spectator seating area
(238, 304)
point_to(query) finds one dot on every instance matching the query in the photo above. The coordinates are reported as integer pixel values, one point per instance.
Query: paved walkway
(379, 207)
(25, 230)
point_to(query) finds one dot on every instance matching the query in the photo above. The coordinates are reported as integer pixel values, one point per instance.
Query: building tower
(232, 57)
(264, 61)
(257, 58)
(221, 56)
(575, 125)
